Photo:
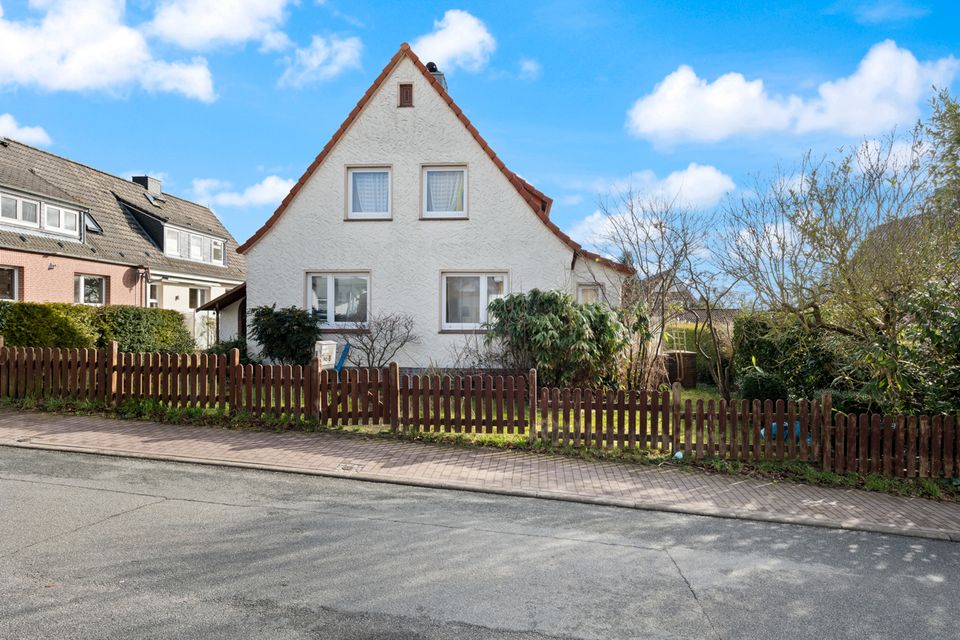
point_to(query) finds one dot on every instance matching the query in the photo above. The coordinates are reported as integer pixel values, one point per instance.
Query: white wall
(228, 321)
(406, 255)
(177, 296)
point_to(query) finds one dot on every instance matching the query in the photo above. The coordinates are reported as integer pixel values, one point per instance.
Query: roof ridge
(96, 170)
(537, 201)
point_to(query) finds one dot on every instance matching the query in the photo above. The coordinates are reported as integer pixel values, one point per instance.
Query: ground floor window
(589, 294)
(153, 296)
(466, 296)
(339, 298)
(9, 283)
(89, 289)
(198, 297)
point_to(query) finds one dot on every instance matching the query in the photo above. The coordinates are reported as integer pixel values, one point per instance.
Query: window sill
(464, 331)
(343, 331)
(447, 218)
(370, 219)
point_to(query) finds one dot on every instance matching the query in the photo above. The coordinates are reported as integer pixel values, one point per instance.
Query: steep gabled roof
(537, 201)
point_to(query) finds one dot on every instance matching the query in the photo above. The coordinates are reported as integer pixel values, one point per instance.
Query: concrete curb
(714, 512)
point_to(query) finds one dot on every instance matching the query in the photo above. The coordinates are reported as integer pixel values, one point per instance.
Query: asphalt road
(99, 547)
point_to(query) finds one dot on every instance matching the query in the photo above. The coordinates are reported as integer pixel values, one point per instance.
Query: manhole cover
(349, 466)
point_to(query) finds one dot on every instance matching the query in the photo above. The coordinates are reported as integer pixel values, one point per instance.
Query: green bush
(144, 329)
(759, 385)
(287, 335)
(225, 347)
(848, 401)
(31, 324)
(568, 343)
(806, 361)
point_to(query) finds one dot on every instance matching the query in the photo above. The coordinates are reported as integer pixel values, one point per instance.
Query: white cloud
(881, 11)
(9, 128)
(269, 191)
(529, 69)
(884, 91)
(459, 39)
(83, 45)
(571, 200)
(323, 59)
(275, 41)
(202, 24)
(697, 187)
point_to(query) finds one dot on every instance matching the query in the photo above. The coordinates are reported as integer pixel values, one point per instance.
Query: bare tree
(376, 343)
(843, 243)
(712, 325)
(658, 238)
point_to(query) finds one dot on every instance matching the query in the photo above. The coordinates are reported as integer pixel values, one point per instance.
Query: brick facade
(50, 278)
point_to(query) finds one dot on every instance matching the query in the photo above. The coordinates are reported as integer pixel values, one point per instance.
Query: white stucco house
(408, 210)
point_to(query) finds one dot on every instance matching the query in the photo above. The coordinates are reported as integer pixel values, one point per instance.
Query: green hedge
(32, 324)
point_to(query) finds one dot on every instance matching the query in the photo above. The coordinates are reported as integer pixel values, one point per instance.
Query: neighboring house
(71, 233)
(408, 210)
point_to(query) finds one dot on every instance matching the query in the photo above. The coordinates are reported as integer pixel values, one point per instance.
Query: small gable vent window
(406, 95)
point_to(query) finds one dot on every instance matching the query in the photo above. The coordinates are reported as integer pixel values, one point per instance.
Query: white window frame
(377, 215)
(440, 215)
(16, 283)
(218, 244)
(331, 277)
(589, 285)
(19, 219)
(103, 293)
(184, 245)
(203, 297)
(62, 228)
(154, 301)
(482, 275)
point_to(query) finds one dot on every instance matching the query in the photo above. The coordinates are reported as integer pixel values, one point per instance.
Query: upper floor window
(340, 299)
(19, 210)
(368, 194)
(444, 192)
(192, 246)
(61, 220)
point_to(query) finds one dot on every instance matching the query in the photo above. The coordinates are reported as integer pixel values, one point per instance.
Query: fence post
(393, 396)
(826, 431)
(235, 387)
(313, 389)
(3, 369)
(676, 390)
(111, 388)
(532, 398)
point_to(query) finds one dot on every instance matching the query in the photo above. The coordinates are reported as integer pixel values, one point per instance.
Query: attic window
(406, 95)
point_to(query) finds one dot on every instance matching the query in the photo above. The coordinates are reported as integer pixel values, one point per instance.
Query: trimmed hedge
(52, 324)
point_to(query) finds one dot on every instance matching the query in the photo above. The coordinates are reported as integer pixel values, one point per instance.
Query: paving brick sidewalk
(490, 470)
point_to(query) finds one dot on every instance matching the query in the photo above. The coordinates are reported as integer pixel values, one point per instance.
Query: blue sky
(230, 101)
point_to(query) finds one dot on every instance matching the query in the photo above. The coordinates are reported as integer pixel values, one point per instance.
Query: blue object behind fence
(785, 432)
(343, 358)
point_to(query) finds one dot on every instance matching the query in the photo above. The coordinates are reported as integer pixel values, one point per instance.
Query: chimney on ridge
(436, 73)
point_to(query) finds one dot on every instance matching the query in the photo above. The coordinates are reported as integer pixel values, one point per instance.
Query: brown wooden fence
(897, 446)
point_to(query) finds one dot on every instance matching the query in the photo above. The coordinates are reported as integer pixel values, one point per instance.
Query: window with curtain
(466, 297)
(369, 195)
(444, 192)
(339, 299)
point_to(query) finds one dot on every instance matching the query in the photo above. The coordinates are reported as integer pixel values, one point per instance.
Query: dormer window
(406, 95)
(19, 210)
(61, 220)
(187, 245)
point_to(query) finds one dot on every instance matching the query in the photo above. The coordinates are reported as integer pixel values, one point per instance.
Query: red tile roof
(538, 202)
